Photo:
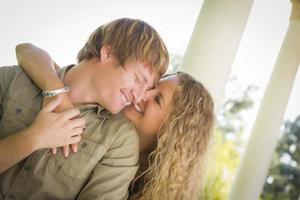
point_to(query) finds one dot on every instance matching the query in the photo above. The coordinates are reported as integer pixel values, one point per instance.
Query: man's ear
(105, 53)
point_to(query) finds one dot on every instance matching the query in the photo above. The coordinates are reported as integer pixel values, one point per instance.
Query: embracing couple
(134, 132)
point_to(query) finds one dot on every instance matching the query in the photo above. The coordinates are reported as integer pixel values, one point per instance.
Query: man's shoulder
(120, 120)
(21, 99)
(17, 86)
(121, 129)
(10, 68)
(113, 132)
(7, 74)
(14, 75)
(107, 128)
(125, 142)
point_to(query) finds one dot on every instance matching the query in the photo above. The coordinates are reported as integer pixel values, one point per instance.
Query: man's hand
(51, 130)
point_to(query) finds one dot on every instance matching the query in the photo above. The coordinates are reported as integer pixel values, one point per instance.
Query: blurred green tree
(283, 180)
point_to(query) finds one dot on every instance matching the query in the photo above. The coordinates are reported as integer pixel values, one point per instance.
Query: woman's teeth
(137, 107)
(125, 101)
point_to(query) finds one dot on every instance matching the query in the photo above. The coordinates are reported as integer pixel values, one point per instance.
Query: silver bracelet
(53, 93)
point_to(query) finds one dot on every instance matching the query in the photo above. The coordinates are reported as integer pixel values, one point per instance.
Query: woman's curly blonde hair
(176, 167)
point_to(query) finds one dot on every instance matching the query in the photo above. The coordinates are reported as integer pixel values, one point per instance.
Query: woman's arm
(40, 67)
(47, 131)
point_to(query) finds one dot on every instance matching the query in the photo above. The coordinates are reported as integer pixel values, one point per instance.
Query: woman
(174, 126)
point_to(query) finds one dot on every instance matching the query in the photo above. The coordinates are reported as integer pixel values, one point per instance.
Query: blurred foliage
(283, 180)
(221, 168)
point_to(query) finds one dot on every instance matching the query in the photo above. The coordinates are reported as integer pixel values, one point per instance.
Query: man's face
(148, 116)
(125, 85)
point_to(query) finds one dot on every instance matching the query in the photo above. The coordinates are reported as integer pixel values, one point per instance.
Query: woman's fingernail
(66, 154)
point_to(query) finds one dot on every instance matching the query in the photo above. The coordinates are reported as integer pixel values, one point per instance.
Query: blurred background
(62, 26)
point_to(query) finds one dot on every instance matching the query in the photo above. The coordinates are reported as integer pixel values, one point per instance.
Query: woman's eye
(157, 99)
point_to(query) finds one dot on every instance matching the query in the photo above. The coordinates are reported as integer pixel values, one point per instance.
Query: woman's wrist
(53, 85)
(56, 92)
(65, 104)
(31, 137)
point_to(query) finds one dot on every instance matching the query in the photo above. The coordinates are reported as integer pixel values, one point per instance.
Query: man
(119, 62)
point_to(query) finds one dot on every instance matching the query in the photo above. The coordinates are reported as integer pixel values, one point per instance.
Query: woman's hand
(51, 130)
(40, 67)
(65, 104)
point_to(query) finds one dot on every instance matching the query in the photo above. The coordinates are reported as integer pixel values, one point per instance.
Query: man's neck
(78, 78)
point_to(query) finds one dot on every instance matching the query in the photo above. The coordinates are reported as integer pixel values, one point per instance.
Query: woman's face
(149, 115)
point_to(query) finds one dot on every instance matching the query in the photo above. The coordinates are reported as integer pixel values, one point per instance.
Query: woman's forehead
(172, 77)
(167, 86)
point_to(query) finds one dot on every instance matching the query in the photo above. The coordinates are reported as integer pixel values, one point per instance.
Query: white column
(256, 160)
(214, 43)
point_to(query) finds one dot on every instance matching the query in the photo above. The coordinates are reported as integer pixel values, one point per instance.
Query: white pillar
(214, 43)
(256, 160)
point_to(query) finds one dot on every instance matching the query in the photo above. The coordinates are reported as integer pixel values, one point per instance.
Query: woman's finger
(78, 122)
(74, 147)
(76, 131)
(66, 150)
(69, 114)
(75, 139)
(53, 150)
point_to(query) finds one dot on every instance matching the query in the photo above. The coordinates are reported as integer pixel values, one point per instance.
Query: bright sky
(62, 26)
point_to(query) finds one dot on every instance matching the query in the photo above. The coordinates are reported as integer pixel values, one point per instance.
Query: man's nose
(140, 94)
(148, 94)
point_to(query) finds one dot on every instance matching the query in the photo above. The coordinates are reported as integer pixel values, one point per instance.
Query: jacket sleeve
(111, 177)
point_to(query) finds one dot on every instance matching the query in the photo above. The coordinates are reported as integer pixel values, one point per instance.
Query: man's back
(102, 168)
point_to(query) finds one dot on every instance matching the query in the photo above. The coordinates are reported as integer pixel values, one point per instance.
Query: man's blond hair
(130, 40)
